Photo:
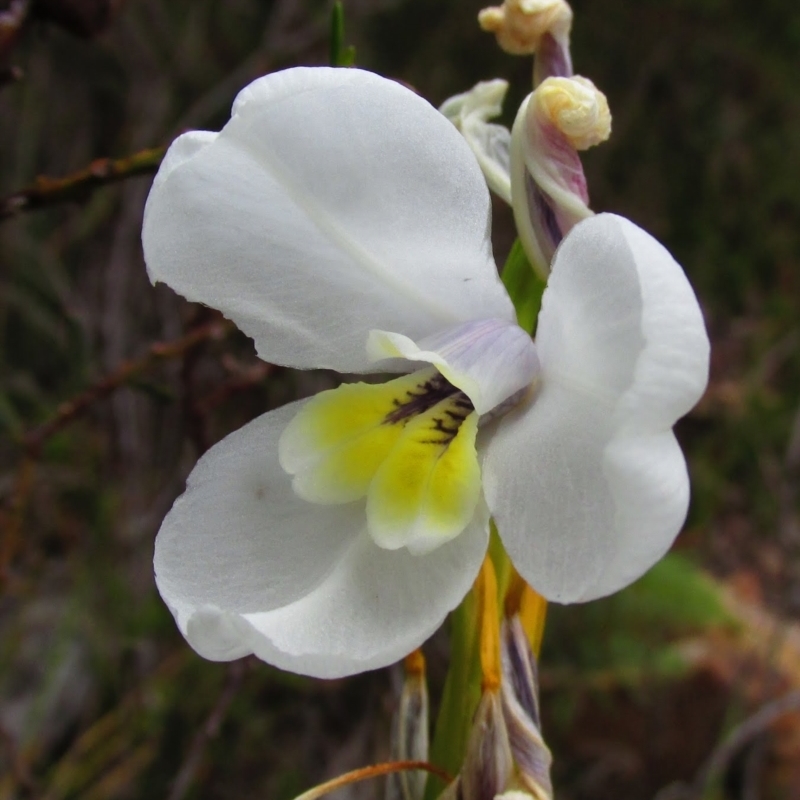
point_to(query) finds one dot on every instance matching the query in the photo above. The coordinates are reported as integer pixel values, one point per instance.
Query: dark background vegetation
(99, 695)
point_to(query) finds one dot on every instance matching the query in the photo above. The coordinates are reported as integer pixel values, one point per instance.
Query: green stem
(462, 691)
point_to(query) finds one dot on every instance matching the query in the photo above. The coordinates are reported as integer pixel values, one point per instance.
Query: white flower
(338, 218)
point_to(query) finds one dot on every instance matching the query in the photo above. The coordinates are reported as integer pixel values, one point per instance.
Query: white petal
(620, 321)
(489, 360)
(247, 567)
(587, 483)
(239, 538)
(181, 150)
(375, 607)
(470, 113)
(333, 202)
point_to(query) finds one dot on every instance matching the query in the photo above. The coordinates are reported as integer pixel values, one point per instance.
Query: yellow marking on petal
(426, 491)
(408, 445)
(338, 440)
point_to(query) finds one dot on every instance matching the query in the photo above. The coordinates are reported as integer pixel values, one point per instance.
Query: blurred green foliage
(632, 633)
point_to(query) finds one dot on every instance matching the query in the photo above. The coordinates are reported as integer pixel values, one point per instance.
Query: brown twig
(188, 771)
(375, 771)
(160, 351)
(33, 441)
(50, 191)
(247, 378)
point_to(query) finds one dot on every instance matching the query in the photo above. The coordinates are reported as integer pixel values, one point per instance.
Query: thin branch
(47, 191)
(33, 441)
(375, 771)
(251, 376)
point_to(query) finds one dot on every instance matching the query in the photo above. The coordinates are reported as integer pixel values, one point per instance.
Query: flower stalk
(505, 750)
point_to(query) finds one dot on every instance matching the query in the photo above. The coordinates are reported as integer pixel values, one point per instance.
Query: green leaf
(341, 55)
(524, 287)
(631, 634)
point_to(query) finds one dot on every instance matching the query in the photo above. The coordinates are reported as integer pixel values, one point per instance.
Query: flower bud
(409, 740)
(542, 27)
(488, 764)
(520, 697)
(576, 108)
(548, 186)
(520, 24)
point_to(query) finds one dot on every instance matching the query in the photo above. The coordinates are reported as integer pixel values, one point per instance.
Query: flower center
(407, 446)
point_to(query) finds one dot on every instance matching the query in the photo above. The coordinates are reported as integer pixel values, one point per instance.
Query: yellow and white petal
(488, 359)
(426, 492)
(334, 446)
(239, 538)
(246, 566)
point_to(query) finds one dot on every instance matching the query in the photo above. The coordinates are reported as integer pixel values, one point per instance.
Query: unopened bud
(520, 25)
(548, 186)
(576, 108)
(520, 695)
(488, 764)
(410, 732)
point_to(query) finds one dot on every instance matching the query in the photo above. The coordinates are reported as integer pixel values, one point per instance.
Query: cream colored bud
(520, 24)
(576, 108)
(514, 794)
